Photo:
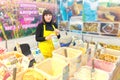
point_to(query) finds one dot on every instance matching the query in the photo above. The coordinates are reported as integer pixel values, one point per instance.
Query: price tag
(66, 73)
(25, 62)
(94, 6)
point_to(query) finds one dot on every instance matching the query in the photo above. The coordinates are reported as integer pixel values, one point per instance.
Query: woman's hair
(45, 12)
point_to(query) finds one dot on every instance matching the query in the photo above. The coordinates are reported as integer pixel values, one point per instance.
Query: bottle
(38, 56)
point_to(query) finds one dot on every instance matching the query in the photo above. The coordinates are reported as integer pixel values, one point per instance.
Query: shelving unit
(97, 38)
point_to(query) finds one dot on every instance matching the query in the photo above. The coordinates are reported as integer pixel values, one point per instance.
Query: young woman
(44, 32)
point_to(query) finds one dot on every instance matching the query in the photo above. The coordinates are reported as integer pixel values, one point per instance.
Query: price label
(25, 62)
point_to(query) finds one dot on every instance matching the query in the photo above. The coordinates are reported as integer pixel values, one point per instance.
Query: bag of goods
(12, 60)
(55, 42)
(65, 41)
(2, 50)
(29, 74)
(10, 54)
(4, 74)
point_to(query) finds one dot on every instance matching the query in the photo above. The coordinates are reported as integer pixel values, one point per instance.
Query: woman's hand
(49, 37)
(57, 32)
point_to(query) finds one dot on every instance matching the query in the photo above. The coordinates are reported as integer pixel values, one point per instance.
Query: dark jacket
(40, 30)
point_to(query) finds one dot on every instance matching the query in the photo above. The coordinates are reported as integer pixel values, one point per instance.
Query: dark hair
(46, 11)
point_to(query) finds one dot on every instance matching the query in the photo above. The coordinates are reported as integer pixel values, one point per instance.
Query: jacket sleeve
(39, 33)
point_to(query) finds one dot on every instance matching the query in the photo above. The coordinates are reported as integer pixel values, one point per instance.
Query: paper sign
(25, 62)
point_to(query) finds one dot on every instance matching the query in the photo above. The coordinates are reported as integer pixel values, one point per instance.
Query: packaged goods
(108, 57)
(55, 41)
(2, 50)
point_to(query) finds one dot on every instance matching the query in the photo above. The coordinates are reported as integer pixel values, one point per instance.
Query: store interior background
(91, 20)
(18, 22)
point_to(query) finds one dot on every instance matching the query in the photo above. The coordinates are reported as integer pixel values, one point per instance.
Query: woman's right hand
(49, 37)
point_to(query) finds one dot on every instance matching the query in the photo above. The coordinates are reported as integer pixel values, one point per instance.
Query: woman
(44, 32)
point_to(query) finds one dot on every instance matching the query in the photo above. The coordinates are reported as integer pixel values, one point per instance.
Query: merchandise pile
(81, 61)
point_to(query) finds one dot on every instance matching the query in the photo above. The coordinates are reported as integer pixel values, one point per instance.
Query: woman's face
(48, 17)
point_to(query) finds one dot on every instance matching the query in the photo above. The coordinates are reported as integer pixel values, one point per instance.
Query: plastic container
(85, 73)
(79, 48)
(113, 52)
(65, 41)
(103, 65)
(53, 69)
(108, 51)
(109, 58)
(71, 56)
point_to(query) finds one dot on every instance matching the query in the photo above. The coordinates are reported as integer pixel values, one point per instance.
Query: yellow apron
(46, 47)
